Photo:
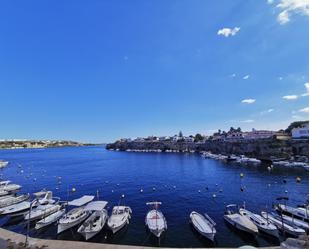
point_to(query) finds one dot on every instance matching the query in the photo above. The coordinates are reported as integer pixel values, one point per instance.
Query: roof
(96, 205)
(81, 201)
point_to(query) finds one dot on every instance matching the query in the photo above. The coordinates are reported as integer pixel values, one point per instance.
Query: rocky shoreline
(263, 149)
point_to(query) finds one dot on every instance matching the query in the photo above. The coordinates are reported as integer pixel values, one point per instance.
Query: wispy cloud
(246, 77)
(248, 101)
(233, 75)
(247, 121)
(267, 111)
(305, 110)
(228, 31)
(297, 117)
(289, 8)
(290, 97)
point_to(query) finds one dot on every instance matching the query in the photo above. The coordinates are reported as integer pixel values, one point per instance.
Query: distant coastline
(37, 144)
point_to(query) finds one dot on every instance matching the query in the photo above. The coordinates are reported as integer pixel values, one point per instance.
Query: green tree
(295, 125)
(180, 134)
(198, 137)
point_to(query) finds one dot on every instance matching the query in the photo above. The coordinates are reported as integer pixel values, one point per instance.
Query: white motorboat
(119, 218)
(94, 224)
(50, 219)
(41, 211)
(3, 164)
(299, 213)
(155, 219)
(261, 223)
(284, 227)
(204, 225)
(8, 186)
(4, 193)
(239, 221)
(299, 223)
(11, 200)
(244, 159)
(16, 209)
(76, 215)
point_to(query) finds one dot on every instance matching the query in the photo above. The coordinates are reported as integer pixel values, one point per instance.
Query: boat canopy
(154, 203)
(96, 205)
(4, 182)
(81, 201)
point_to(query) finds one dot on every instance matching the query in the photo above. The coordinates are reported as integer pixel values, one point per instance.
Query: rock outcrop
(261, 148)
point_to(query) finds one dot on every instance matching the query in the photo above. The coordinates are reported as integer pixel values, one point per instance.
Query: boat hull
(212, 231)
(239, 226)
(49, 219)
(65, 226)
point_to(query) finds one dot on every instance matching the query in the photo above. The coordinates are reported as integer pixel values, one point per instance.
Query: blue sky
(100, 70)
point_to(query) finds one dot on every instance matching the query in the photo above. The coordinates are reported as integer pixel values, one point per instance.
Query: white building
(189, 139)
(301, 132)
(258, 134)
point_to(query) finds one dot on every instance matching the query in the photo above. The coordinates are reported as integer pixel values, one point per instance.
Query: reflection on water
(183, 182)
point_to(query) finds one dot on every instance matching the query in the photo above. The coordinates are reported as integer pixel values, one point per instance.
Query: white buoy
(122, 196)
(199, 191)
(141, 190)
(214, 195)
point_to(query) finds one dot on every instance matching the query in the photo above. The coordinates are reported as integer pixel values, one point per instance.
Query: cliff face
(262, 149)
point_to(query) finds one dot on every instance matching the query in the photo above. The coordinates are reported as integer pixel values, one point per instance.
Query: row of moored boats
(91, 216)
(231, 158)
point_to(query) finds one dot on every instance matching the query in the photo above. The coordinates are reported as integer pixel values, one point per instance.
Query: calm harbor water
(183, 182)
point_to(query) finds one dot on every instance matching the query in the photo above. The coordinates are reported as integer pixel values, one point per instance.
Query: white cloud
(233, 75)
(290, 97)
(306, 110)
(283, 17)
(267, 111)
(290, 7)
(297, 117)
(247, 121)
(228, 32)
(307, 89)
(248, 101)
(246, 77)
(280, 78)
